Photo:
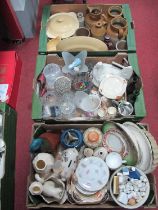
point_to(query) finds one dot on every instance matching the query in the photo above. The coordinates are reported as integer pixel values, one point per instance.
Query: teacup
(114, 160)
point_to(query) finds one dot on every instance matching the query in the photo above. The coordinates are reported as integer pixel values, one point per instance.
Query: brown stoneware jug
(117, 29)
(98, 30)
(94, 15)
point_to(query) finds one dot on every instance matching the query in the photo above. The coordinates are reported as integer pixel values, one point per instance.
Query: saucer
(92, 174)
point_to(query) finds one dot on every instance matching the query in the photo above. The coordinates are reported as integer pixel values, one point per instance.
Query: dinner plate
(79, 43)
(92, 174)
(144, 145)
(62, 25)
(113, 87)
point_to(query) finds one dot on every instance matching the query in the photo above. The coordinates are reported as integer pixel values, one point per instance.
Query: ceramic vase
(43, 163)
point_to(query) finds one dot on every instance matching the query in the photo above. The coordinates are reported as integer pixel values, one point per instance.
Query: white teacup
(114, 160)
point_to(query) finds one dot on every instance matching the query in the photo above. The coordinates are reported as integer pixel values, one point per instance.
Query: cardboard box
(42, 60)
(9, 136)
(38, 128)
(10, 71)
(52, 9)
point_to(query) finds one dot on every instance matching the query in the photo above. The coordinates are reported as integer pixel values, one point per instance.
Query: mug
(114, 160)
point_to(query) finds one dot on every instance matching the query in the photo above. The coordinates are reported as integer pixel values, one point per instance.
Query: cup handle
(120, 35)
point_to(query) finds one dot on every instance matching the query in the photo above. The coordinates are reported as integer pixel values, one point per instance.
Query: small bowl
(82, 31)
(125, 108)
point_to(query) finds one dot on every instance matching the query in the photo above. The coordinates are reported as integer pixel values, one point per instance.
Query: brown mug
(117, 29)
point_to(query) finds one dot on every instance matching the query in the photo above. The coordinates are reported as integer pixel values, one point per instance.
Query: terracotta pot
(117, 29)
(98, 30)
(94, 15)
(114, 11)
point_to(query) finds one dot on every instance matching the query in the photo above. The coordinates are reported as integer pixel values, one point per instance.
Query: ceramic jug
(117, 29)
(98, 30)
(114, 11)
(43, 163)
(94, 15)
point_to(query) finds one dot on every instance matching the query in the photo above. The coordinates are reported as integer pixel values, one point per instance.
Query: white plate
(92, 174)
(144, 145)
(113, 87)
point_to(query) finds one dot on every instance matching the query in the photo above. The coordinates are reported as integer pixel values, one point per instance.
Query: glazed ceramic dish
(92, 173)
(62, 25)
(113, 87)
(144, 145)
(80, 43)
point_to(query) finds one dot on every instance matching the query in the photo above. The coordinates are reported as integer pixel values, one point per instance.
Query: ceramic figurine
(43, 163)
(66, 163)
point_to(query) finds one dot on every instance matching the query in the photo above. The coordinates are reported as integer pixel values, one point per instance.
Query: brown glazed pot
(117, 29)
(114, 11)
(98, 30)
(94, 15)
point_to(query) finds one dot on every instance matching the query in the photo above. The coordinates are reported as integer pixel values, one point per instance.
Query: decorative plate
(113, 87)
(62, 25)
(92, 174)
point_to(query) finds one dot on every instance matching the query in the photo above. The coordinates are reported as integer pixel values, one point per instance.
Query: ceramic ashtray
(129, 187)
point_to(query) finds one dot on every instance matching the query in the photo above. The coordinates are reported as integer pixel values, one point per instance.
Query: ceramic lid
(62, 24)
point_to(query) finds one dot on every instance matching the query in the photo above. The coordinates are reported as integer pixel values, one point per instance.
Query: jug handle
(105, 19)
(120, 35)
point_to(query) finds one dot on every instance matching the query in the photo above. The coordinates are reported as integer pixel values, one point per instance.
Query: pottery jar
(43, 163)
(114, 11)
(98, 30)
(117, 29)
(94, 15)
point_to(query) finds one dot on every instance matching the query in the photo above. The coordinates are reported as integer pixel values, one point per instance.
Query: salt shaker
(80, 18)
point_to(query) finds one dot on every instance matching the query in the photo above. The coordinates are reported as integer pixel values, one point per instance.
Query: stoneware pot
(94, 15)
(98, 30)
(43, 163)
(114, 11)
(117, 29)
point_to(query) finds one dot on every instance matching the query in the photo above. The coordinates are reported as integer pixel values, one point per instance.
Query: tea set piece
(65, 164)
(74, 64)
(144, 145)
(92, 137)
(71, 138)
(36, 188)
(43, 163)
(62, 24)
(114, 160)
(133, 187)
(78, 43)
(113, 87)
(92, 174)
